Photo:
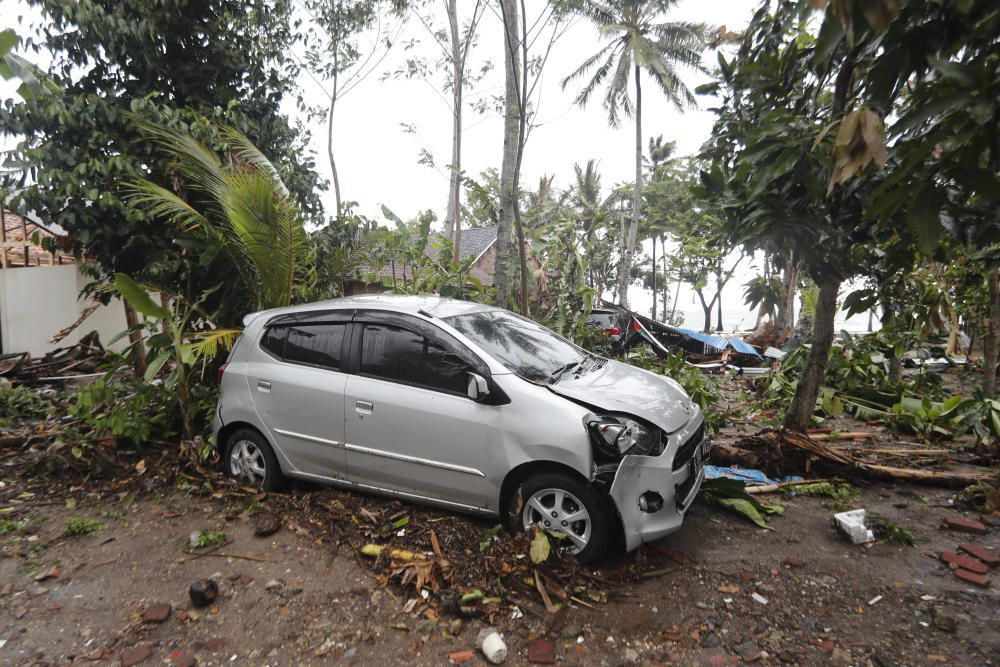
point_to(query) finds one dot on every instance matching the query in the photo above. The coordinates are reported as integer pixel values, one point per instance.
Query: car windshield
(526, 348)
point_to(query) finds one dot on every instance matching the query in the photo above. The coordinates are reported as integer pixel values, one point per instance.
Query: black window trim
(310, 318)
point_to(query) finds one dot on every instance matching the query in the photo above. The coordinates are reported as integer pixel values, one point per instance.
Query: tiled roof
(20, 233)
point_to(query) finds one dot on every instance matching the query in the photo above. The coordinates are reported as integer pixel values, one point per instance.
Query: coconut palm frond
(617, 95)
(162, 203)
(208, 344)
(244, 206)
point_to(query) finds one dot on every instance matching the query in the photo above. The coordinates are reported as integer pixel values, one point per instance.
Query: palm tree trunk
(625, 269)
(799, 415)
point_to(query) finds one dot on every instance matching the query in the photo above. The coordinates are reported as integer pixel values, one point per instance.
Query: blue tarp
(748, 475)
(719, 343)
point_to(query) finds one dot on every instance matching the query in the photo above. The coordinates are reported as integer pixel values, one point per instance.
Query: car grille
(687, 450)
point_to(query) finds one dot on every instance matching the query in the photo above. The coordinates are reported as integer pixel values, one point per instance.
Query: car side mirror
(478, 388)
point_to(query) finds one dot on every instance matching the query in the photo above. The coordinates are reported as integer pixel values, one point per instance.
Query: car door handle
(264, 386)
(364, 407)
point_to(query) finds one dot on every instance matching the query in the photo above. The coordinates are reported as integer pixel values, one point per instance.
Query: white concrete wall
(37, 302)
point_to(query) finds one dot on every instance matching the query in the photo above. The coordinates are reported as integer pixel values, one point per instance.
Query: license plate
(699, 458)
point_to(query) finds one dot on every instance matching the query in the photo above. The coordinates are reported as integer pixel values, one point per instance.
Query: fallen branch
(785, 486)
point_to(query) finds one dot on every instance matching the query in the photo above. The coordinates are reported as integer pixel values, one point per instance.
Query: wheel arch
(227, 431)
(518, 474)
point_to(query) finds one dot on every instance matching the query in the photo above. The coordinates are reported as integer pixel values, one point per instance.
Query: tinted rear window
(313, 344)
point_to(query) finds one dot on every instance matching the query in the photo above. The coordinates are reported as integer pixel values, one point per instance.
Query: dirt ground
(285, 599)
(719, 592)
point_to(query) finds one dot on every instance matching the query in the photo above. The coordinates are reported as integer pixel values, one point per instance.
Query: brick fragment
(982, 553)
(972, 578)
(965, 525)
(964, 562)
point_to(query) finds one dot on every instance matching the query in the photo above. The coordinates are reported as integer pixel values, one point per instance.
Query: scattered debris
(156, 613)
(266, 525)
(852, 526)
(541, 651)
(49, 573)
(203, 593)
(136, 654)
(964, 562)
(982, 553)
(757, 597)
(964, 525)
(779, 453)
(972, 578)
(491, 643)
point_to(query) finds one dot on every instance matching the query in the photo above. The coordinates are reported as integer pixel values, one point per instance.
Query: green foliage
(892, 532)
(78, 526)
(78, 146)
(20, 404)
(8, 526)
(237, 204)
(206, 538)
(732, 494)
(118, 405)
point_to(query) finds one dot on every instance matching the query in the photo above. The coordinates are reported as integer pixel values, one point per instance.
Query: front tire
(250, 460)
(562, 504)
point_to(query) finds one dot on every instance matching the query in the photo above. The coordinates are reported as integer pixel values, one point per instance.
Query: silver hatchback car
(464, 406)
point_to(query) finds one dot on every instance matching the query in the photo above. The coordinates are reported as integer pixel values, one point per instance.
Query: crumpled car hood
(618, 387)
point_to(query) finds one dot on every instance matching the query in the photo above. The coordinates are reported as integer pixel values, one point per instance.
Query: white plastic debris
(875, 600)
(491, 643)
(757, 597)
(852, 525)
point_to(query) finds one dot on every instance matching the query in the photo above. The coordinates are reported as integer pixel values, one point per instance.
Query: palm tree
(639, 42)
(239, 203)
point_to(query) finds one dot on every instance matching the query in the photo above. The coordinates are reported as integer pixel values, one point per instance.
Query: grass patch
(82, 526)
(8, 526)
(206, 538)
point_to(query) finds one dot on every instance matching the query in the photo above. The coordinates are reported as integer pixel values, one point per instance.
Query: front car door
(410, 426)
(297, 383)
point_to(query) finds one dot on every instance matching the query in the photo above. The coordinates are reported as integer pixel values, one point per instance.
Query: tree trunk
(991, 342)
(135, 338)
(673, 306)
(654, 278)
(786, 311)
(707, 307)
(453, 225)
(625, 269)
(799, 415)
(718, 305)
(511, 138)
(329, 136)
(888, 320)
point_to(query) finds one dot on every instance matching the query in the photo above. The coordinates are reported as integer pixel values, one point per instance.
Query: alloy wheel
(559, 511)
(247, 461)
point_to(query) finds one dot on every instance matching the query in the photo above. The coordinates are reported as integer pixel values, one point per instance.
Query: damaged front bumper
(652, 493)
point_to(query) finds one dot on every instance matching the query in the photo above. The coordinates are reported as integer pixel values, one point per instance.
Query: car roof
(400, 303)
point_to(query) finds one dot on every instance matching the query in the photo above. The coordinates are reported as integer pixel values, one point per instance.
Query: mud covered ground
(285, 599)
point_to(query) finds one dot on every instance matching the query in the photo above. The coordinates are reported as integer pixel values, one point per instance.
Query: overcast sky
(378, 160)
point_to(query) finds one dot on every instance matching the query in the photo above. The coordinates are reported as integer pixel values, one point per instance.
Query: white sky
(377, 160)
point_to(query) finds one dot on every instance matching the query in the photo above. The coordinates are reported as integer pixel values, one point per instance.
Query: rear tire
(250, 460)
(569, 506)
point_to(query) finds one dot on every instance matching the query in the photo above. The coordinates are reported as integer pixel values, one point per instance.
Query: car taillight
(218, 379)
(613, 331)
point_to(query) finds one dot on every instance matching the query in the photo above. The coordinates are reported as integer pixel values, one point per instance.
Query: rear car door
(297, 383)
(410, 425)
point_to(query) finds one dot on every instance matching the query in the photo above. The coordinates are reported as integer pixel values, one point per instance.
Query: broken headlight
(615, 435)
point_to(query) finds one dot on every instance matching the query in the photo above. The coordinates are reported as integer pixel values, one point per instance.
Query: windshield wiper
(558, 373)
